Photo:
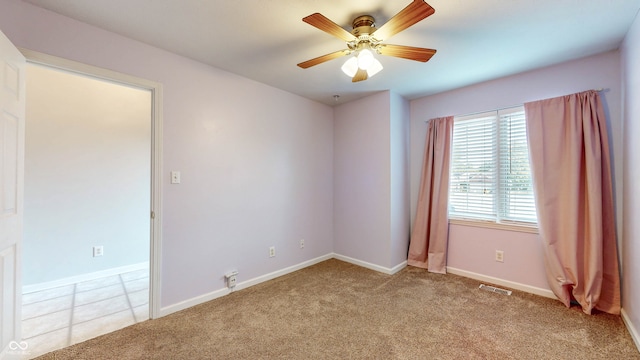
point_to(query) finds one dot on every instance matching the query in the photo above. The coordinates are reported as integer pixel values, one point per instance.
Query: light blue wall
(87, 175)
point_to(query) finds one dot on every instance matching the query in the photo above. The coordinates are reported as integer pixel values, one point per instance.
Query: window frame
(491, 221)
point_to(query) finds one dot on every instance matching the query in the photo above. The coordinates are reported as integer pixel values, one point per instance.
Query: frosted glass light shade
(365, 59)
(375, 68)
(350, 67)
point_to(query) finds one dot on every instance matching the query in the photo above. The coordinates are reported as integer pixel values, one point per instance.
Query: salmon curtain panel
(571, 170)
(428, 245)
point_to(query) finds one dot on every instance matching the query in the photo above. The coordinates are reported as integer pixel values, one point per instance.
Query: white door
(12, 110)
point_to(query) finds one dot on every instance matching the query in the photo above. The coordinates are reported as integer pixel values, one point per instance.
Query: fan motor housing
(363, 25)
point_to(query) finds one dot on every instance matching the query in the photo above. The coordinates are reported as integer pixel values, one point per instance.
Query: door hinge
(153, 215)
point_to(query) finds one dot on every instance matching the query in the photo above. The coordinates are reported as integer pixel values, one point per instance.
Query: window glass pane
(473, 171)
(516, 198)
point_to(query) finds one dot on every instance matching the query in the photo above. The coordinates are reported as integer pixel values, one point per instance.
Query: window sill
(532, 229)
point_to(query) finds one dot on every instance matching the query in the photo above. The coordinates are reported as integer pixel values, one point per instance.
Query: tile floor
(66, 315)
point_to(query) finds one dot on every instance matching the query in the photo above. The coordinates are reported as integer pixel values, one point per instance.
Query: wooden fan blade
(321, 22)
(414, 12)
(407, 52)
(360, 75)
(323, 58)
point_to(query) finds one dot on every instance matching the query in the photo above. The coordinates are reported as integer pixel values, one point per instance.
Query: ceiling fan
(365, 39)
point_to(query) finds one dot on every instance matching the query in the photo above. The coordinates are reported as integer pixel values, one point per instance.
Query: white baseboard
(241, 285)
(84, 277)
(633, 331)
(260, 279)
(390, 271)
(497, 281)
(398, 267)
(382, 269)
(193, 302)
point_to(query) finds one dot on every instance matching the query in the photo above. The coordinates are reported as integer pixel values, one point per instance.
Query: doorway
(90, 182)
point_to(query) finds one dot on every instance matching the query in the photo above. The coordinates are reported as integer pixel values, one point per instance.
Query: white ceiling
(477, 40)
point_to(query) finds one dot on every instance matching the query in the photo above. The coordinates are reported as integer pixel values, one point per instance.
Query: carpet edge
(497, 281)
(370, 266)
(164, 311)
(635, 335)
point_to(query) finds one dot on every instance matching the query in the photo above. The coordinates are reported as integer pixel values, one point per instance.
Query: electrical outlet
(231, 279)
(499, 256)
(272, 251)
(98, 251)
(301, 243)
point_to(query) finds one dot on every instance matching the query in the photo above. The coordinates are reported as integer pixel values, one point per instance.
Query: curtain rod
(482, 112)
(504, 108)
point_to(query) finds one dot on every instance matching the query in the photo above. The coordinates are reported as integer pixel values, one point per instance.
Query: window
(490, 173)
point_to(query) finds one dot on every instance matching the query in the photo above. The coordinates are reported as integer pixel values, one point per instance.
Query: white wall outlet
(98, 251)
(231, 279)
(175, 177)
(272, 251)
(301, 243)
(499, 256)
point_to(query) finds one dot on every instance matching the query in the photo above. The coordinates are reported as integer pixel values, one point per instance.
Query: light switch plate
(175, 177)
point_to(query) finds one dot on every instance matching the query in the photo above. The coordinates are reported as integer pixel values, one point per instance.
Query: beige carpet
(335, 310)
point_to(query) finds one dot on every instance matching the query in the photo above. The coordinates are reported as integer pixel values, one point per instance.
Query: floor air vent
(494, 289)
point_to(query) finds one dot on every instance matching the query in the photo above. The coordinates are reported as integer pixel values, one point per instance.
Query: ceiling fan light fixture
(365, 59)
(350, 67)
(375, 68)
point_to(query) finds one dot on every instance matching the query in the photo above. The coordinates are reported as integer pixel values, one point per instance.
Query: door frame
(155, 215)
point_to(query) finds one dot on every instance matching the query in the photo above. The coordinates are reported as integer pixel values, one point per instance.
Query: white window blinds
(490, 178)
(516, 188)
(473, 167)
